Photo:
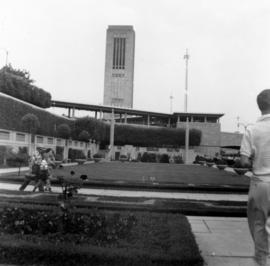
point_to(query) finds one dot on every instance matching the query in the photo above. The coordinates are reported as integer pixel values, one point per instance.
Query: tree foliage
(84, 136)
(30, 123)
(64, 131)
(17, 83)
(97, 129)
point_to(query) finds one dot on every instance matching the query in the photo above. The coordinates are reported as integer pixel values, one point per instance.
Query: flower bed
(30, 236)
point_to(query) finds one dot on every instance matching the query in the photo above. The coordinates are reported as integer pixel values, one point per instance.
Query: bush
(74, 154)
(164, 158)
(21, 158)
(98, 155)
(3, 150)
(178, 159)
(59, 156)
(149, 157)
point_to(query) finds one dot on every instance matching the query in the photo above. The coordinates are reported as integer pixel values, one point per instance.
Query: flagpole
(186, 58)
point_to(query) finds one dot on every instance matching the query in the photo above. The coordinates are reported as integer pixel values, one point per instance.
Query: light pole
(171, 103)
(4, 49)
(244, 125)
(186, 58)
(111, 152)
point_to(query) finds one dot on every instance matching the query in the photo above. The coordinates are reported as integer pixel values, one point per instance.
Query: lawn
(162, 173)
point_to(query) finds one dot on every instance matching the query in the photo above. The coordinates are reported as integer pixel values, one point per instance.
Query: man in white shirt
(255, 154)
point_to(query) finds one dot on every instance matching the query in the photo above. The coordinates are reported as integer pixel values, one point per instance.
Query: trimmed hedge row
(12, 111)
(155, 137)
(17, 83)
(136, 135)
(124, 134)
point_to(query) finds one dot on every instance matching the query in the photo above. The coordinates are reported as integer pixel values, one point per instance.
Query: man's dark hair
(263, 100)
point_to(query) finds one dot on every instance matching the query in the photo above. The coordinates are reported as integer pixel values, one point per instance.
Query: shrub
(149, 157)
(59, 153)
(74, 154)
(98, 155)
(123, 157)
(199, 159)
(3, 150)
(178, 159)
(164, 158)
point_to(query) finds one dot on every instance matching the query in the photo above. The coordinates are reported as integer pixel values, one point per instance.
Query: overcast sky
(62, 44)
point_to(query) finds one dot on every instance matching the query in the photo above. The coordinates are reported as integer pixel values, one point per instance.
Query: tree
(17, 83)
(84, 136)
(64, 131)
(30, 123)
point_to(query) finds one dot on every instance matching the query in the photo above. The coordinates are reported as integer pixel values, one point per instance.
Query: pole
(111, 155)
(186, 57)
(171, 103)
(6, 57)
(4, 49)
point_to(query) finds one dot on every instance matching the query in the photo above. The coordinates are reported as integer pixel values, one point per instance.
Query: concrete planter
(240, 171)
(97, 160)
(221, 166)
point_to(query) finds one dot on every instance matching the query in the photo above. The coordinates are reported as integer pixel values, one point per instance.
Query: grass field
(162, 173)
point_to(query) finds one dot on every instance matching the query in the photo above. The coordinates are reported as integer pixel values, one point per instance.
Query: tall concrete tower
(119, 66)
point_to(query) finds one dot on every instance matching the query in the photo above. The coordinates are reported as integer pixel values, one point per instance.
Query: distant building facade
(119, 66)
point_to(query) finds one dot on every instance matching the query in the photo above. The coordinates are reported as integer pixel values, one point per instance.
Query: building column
(125, 119)
(95, 114)
(148, 120)
(169, 122)
(100, 115)
(73, 112)
(69, 112)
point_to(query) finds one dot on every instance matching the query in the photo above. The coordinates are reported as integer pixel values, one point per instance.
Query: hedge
(154, 137)
(136, 135)
(35, 237)
(12, 111)
(74, 154)
(98, 130)
(17, 83)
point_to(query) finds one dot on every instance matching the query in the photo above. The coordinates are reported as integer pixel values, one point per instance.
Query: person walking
(34, 166)
(255, 154)
(50, 159)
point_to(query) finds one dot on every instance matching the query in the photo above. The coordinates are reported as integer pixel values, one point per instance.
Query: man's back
(256, 144)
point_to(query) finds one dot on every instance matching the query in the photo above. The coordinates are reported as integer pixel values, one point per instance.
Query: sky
(62, 44)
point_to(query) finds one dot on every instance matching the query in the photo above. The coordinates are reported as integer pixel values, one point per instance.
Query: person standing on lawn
(255, 154)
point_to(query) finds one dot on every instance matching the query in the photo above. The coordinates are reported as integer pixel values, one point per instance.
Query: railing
(9, 137)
